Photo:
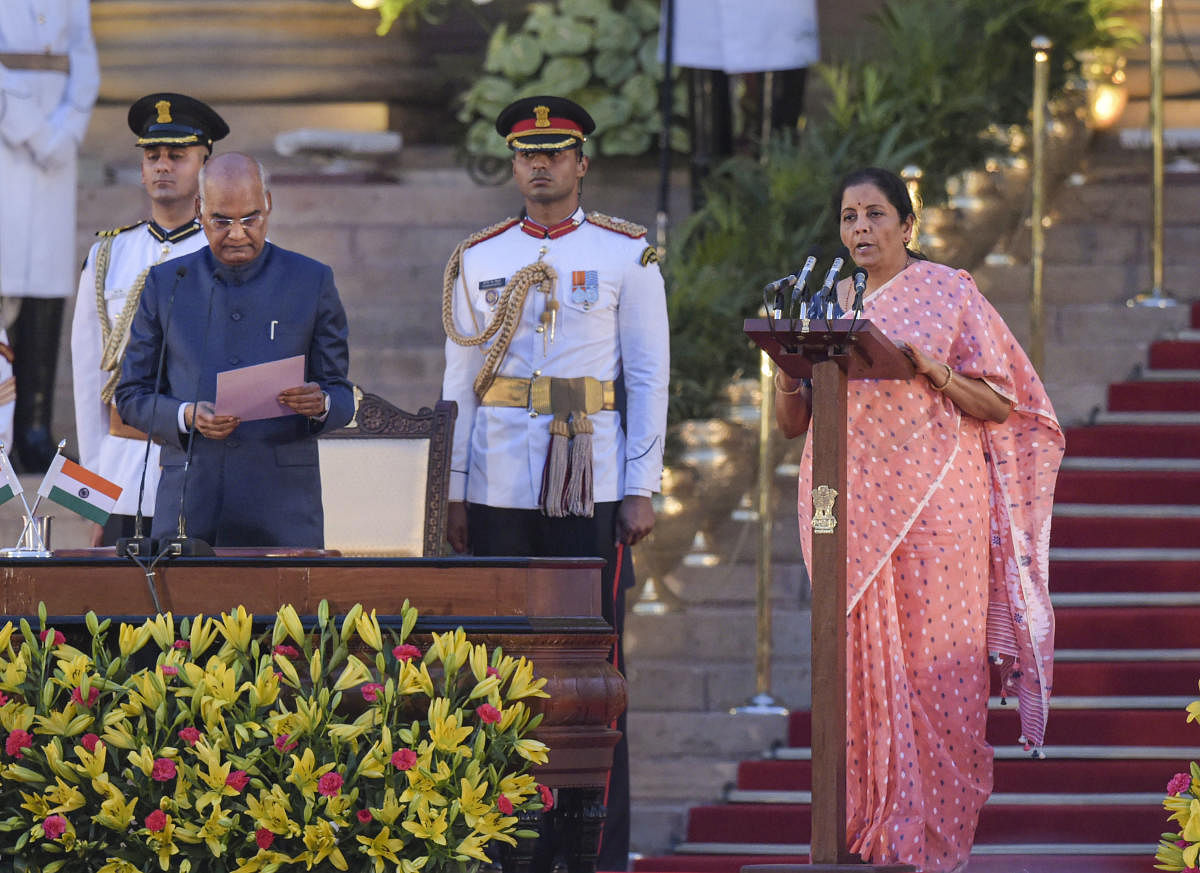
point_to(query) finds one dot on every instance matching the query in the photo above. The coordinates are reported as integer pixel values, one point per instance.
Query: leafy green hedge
(935, 81)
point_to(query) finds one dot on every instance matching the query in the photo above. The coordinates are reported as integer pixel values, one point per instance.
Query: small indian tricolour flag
(10, 485)
(79, 490)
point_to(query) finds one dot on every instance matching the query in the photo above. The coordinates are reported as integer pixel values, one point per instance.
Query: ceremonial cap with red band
(544, 124)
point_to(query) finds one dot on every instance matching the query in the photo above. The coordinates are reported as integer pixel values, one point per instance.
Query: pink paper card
(250, 392)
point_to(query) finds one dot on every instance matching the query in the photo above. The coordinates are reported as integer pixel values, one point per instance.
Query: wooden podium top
(860, 348)
(484, 587)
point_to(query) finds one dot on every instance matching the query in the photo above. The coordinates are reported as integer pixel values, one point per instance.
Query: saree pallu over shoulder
(904, 436)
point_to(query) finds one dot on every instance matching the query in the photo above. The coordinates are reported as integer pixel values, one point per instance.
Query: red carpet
(1094, 806)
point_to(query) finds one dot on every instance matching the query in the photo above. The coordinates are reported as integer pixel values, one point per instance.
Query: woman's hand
(973, 396)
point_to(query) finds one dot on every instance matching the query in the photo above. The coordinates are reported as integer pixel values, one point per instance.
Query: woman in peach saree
(950, 484)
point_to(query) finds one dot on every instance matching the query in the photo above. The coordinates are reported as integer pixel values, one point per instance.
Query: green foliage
(600, 53)
(930, 89)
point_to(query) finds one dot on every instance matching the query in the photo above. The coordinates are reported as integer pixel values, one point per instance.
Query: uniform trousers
(499, 532)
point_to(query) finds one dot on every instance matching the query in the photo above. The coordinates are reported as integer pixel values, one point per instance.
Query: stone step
(710, 632)
(714, 735)
(685, 686)
(1178, 112)
(1082, 283)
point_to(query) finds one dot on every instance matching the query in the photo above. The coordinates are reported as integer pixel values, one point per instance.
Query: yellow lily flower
(369, 631)
(479, 662)
(517, 787)
(444, 729)
(522, 684)
(413, 866)
(163, 843)
(288, 669)
(73, 669)
(115, 814)
(265, 690)
(314, 667)
(66, 798)
(472, 847)
(6, 633)
(321, 842)
(118, 865)
(354, 674)
(36, 804)
(305, 773)
(473, 801)
(131, 639)
(350, 621)
(513, 714)
(452, 649)
(415, 679)
(272, 810)
(428, 826)
(162, 628)
(16, 716)
(54, 758)
(63, 723)
(204, 633)
(143, 759)
(1193, 711)
(391, 809)
(493, 826)
(236, 627)
(291, 623)
(1191, 828)
(17, 773)
(382, 847)
(534, 751)
(119, 736)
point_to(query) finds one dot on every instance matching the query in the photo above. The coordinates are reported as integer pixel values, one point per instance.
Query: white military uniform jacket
(117, 458)
(43, 117)
(612, 320)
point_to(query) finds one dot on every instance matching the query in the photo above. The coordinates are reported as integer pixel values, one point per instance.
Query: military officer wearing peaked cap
(175, 134)
(557, 355)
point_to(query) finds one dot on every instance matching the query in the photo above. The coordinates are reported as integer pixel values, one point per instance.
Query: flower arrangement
(1180, 850)
(197, 746)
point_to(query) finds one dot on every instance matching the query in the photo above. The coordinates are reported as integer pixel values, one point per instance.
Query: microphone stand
(139, 544)
(181, 545)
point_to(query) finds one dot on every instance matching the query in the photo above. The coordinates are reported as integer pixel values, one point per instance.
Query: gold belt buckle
(539, 395)
(593, 394)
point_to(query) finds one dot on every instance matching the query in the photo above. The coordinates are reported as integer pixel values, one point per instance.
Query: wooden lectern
(830, 353)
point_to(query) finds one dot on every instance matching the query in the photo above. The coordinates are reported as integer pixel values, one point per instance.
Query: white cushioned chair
(385, 478)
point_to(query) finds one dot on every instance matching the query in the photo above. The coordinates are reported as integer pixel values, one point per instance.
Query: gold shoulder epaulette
(617, 225)
(116, 230)
(488, 232)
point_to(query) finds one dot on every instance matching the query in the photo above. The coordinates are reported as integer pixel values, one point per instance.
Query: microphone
(800, 288)
(859, 277)
(826, 293)
(139, 544)
(779, 284)
(181, 545)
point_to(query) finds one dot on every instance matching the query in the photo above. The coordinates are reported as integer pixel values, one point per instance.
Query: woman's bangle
(946, 384)
(799, 386)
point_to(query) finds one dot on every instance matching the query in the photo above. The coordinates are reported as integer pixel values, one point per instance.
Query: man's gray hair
(263, 177)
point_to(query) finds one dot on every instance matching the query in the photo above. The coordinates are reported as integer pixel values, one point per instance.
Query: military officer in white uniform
(175, 134)
(557, 355)
(49, 78)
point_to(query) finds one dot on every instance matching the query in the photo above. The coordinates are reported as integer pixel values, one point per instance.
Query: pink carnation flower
(16, 741)
(264, 838)
(58, 638)
(54, 826)
(406, 651)
(284, 743)
(237, 780)
(504, 805)
(163, 770)
(487, 713)
(88, 741)
(181, 644)
(330, 784)
(370, 691)
(404, 759)
(289, 652)
(170, 670)
(3, 698)
(547, 797)
(492, 671)
(190, 735)
(77, 697)
(364, 815)
(156, 820)
(1179, 783)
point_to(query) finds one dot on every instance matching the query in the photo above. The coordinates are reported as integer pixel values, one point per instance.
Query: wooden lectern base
(829, 868)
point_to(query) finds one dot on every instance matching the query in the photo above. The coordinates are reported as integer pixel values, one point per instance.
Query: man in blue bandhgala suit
(238, 302)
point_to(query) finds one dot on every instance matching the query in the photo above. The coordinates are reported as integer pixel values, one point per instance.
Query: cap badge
(541, 116)
(164, 112)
